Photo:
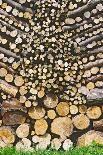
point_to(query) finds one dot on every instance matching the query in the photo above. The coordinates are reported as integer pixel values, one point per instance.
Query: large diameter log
(81, 121)
(40, 126)
(51, 101)
(6, 136)
(62, 108)
(98, 125)
(94, 112)
(13, 118)
(12, 90)
(36, 112)
(89, 137)
(62, 126)
(23, 130)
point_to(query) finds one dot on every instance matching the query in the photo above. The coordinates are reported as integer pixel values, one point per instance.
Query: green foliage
(94, 149)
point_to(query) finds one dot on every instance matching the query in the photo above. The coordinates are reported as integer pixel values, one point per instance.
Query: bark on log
(98, 125)
(12, 90)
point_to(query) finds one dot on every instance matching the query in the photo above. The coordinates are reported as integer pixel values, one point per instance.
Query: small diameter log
(62, 108)
(90, 85)
(40, 126)
(36, 112)
(62, 126)
(51, 114)
(23, 130)
(19, 81)
(94, 112)
(8, 88)
(51, 101)
(98, 125)
(73, 109)
(81, 121)
(82, 109)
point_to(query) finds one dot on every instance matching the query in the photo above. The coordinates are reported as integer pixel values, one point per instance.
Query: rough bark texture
(51, 73)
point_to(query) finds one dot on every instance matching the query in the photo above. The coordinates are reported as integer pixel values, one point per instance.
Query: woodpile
(51, 73)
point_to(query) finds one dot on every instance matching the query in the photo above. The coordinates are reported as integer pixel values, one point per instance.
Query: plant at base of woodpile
(51, 74)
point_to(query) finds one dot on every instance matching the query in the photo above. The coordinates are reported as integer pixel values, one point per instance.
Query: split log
(98, 125)
(8, 88)
(94, 112)
(62, 108)
(62, 126)
(81, 121)
(36, 112)
(23, 130)
(40, 126)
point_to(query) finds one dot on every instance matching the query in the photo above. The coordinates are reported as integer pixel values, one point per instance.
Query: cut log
(40, 126)
(82, 109)
(51, 114)
(89, 137)
(90, 85)
(81, 121)
(19, 81)
(51, 101)
(98, 125)
(94, 112)
(6, 136)
(36, 112)
(3, 72)
(67, 144)
(56, 144)
(73, 109)
(63, 108)
(62, 126)
(8, 88)
(23, 130)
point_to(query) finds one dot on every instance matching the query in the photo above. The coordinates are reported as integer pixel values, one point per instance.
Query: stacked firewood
(51, 72)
